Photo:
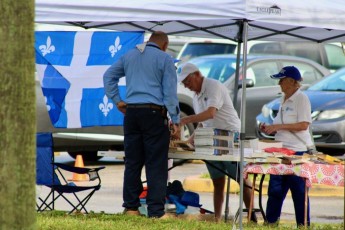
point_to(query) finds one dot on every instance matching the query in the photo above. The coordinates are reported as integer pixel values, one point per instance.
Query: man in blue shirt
(151, 92)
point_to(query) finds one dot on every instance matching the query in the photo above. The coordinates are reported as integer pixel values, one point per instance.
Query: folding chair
(51, 175)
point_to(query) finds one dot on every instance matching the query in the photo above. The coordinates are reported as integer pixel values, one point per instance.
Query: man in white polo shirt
(213, 108)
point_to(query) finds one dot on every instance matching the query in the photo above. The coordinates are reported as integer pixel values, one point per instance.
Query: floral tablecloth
(314, 173)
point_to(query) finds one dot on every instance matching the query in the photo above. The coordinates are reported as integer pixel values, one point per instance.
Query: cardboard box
(262, 144)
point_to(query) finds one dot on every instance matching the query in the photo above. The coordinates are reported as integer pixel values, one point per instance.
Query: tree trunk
(17, 115)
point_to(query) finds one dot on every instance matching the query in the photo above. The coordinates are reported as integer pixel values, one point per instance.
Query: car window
(191, 50)
(334, 82)
(266, 48)
(260, 73)
(216, 68)
(308, 72)
(335, 56)
(304, 50)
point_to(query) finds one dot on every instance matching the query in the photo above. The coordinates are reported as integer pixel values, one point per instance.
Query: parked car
(330, 55)
(196, 49)
(260, 87)
(327, 98)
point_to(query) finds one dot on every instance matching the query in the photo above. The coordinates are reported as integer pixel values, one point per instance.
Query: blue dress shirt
(150, 78)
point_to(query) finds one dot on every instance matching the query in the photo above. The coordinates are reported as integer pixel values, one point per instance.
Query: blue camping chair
(50, 174)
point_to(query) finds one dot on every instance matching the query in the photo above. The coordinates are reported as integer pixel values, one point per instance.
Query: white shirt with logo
(296, 109)
(215, 94)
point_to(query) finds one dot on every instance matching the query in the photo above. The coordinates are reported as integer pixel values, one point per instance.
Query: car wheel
(87, 155)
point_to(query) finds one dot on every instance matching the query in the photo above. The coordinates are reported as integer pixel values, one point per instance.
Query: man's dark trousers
(146, 143)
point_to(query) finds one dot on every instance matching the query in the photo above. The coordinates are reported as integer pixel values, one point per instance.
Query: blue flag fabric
(70, 66)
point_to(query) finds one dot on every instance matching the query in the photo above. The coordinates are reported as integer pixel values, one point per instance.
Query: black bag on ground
(175, 188)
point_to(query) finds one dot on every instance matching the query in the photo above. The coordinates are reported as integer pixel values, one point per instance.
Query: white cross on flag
(70, 66)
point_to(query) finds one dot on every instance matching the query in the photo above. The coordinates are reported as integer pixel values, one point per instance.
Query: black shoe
(253, 218)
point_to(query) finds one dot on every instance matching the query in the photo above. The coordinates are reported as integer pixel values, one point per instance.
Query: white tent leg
(243, 114)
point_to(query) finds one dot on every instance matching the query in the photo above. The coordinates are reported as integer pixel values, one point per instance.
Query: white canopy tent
(237, 20)
(318, 21)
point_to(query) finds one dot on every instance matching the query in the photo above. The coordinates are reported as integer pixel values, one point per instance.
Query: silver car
(260, 87)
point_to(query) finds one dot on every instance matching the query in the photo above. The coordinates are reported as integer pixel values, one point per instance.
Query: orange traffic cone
(79, 163)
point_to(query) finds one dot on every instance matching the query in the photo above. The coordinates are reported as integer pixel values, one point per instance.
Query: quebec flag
(70, 66)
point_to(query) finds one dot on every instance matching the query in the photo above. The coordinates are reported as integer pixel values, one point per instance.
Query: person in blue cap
(291, 127)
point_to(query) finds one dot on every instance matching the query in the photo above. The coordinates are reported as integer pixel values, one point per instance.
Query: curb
(197, 184)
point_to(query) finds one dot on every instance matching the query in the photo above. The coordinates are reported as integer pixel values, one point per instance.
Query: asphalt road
(109, 198)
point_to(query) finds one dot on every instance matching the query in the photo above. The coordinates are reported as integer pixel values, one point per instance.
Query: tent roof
(319, 21)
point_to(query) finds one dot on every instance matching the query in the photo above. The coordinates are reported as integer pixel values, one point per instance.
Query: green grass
(58, 220)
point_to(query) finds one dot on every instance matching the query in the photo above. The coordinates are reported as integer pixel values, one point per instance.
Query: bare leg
(246, 193)
(246, 198)
(218, 196)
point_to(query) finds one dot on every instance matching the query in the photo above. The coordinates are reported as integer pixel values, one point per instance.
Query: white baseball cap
(184, 70)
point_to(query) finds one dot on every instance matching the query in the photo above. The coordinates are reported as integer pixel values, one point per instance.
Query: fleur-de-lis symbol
(46, 101)
(106, 106)
(48, 48)
(116, 47)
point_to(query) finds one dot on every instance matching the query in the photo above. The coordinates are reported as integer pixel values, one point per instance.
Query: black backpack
(175, 188)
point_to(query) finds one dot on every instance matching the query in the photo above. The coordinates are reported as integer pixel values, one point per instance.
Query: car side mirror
(249, 83)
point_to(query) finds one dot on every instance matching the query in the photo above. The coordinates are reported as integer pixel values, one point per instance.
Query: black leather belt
(146, 106)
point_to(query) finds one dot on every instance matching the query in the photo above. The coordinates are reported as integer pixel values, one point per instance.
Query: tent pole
(237, 74)
(238, 61)
(243, 114)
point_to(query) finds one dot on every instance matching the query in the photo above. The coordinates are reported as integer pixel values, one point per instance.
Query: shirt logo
(288, 109)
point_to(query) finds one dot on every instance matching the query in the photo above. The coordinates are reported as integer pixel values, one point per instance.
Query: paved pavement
(109, 198)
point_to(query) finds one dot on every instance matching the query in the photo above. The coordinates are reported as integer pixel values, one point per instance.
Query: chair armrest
(93, 173)
(77, 169)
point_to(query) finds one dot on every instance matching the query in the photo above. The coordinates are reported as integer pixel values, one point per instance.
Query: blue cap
(288, 71)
